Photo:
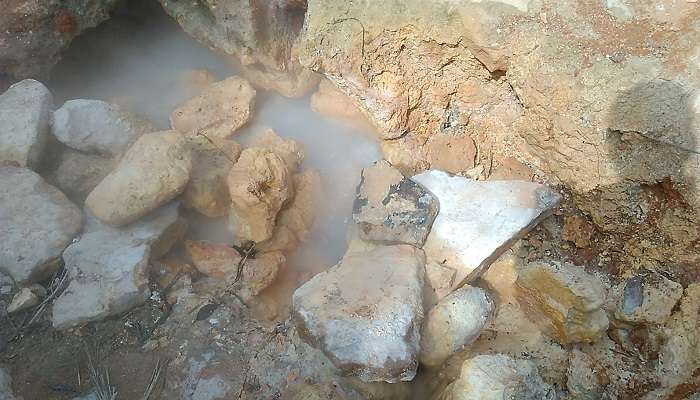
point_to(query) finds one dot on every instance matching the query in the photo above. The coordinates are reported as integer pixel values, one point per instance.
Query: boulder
(390, 208)
(108, 267)
(207, 191)
(222, 262)
(154, 171)
(498, 377)
(23, 299)
(95, 126)
(37, 222)
(290, 150)
(565, 299)
(221, 109)
(259, 184)
(455, 322)
(368, 328)
(77, 173)
(25, 109)
(478, 220)
(648, 297)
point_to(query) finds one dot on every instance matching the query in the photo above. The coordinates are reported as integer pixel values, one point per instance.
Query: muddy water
(141, 60)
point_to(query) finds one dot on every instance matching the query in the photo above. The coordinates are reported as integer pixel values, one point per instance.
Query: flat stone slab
(365, 313)
(37, 222)
(478, 220)
(25, 109)
(392, 209)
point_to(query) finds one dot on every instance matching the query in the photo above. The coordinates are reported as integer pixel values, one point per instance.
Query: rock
(38, 222)
(497, 377)
(6, 386)
(648, 297)
(451, 153)
(259, 184)
(331, 102)
(369, 328)
(154, 171)
(565, 299)
(455, 322)
(479, 220)
(222, 262)
(23, 299)
(33, 33)
(577, 230)
(290, 150)
(221, 109)
(439, 280)
(584, 379)
(7, 284)
(207, 191)
(391, 209)
(108, 267)
(95, 126)
(77, 173)
(24, 111)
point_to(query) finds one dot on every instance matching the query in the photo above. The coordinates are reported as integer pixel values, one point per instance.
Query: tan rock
(220, 110)
(565, 298)
(439, 280)
(259, 184)
(153, 171)
(329, 101)
(451, 153)
(290, 150)
(679, 355)
(648, 297)
(207, 190)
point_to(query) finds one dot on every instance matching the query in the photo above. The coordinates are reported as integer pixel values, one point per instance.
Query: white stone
(37, 222)
(480, 220)
(22, 300)
(24, 122)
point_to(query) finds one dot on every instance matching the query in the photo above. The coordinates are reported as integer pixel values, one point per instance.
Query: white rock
(24, 114)
(107, 267)
(37, 222)
(455, 322)
(499, 377)
(95, 126)
(23, 299)
(479, 220)
(365, 313)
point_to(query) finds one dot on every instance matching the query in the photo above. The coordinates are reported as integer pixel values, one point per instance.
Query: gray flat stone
(365, 313)
(25, 109)
(479, 220)
(37, 222)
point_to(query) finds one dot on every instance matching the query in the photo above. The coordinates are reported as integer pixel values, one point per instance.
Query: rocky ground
(531, 233)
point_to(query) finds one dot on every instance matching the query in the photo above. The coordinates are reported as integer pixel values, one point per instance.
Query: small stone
(438, 283)
(25, 110)
(37, 222)
(221, 109)
(584, 379)
(77, 173)
(259, 184)
(369, 328)
(498, 377)
(479, 220)
(154, 171)
(565, 298)
(455, 322)
(23, 299)
(95, 126)
(207, 191)
(108, 267)
(648, 297)
(391, 209)
(290, 150)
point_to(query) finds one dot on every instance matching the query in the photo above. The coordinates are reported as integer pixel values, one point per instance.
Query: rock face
(259, 35)
(331, 102)
(107, 267)
(207, 190)
(77, 173)
(221, 109)
(33, 33)
(565, 298)
(25, 109)
(648, 297)
(479, 220)
(259, 184)
(369, 328)
(154, 171)
(497, 377)
(37, 222)
(95, 126)
(455, 322)
(391, 209)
